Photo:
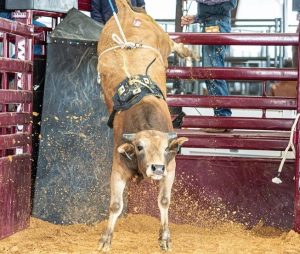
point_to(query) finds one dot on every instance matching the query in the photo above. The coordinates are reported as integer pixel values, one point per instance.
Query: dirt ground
(138, 234)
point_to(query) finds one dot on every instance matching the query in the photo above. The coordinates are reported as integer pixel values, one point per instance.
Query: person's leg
(213, 56)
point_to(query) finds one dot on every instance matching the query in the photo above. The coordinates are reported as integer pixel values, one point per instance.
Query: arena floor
(137, 234)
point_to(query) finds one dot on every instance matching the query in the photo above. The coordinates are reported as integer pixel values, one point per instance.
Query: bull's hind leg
(117, 186)
(164, 197)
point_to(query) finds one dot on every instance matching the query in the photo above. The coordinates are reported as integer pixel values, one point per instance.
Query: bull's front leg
(164, 197)
(117, 186)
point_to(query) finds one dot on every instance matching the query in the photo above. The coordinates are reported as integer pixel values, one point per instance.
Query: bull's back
(115, 65)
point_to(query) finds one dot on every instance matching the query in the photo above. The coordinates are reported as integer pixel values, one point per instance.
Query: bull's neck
(150, 114)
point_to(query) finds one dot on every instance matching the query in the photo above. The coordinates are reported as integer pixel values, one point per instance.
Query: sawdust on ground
(138, 234)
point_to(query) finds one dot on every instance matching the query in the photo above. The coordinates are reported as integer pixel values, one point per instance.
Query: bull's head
(153, 151)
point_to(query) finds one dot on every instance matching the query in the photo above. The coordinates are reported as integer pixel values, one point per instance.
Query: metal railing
(15, 124)
(271, 140)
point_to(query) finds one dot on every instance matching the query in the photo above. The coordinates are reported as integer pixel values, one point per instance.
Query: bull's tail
(183, 51)
(123, 7)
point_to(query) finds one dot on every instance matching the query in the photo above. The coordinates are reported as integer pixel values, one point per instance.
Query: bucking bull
(132, 66)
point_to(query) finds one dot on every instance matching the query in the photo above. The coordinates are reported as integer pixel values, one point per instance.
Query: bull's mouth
(156, 177)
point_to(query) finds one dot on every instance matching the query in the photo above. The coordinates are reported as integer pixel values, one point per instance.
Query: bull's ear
(175, 145)
(127, 150)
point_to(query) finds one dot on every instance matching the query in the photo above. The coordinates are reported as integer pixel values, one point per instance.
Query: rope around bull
(122, 43)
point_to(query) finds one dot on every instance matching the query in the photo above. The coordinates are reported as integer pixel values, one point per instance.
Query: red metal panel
(231, 102)
(237, 123)
(13, 119)
(222, 188)
(232, 73)
(15, 184)
(15, 65)
(271, 39)
(15, 96)
(15, 140)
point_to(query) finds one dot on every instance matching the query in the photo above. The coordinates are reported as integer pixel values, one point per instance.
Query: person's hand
(188, 19)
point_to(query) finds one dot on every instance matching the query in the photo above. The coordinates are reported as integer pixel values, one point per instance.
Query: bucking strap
(131, 91)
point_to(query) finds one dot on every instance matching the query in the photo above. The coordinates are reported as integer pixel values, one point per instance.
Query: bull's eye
(140, 148)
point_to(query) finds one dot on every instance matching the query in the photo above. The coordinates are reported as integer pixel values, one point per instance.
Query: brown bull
(284, 89)
(144, 142)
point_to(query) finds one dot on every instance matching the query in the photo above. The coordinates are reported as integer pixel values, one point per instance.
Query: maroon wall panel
(219, 188)
(15, 185)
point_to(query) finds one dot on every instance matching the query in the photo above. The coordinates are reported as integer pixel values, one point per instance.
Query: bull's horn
(129, 137)
(172, 135)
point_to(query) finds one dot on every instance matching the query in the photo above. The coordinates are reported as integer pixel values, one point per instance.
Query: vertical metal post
(278, 49)
(297, 156)
(4, 84)
(285, 24)
(179, 13)
(24, 51)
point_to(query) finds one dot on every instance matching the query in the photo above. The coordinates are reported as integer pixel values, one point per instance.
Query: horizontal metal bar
(247, 59)
(255, 20)
(267, 39)
(15, 65)
(232, 73)
(17, 28)
(236, 142)
(15, 140)
(234, 25)
(233, 20)
(15, 96)
(13, 119)
(41, 29)
(243, 102)
(237, 123)
(256, 134)
(230, 159)
(48, 14)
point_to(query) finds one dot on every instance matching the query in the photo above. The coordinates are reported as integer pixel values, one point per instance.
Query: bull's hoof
(164, 239)
(105, 242)
(165, 245)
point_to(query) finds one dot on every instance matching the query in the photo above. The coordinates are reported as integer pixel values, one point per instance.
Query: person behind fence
(101, 10)
(215, 16)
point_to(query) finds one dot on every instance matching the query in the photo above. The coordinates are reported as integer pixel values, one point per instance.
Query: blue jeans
(213, 56)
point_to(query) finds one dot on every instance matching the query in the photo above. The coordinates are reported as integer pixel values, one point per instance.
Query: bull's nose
(158, 169)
